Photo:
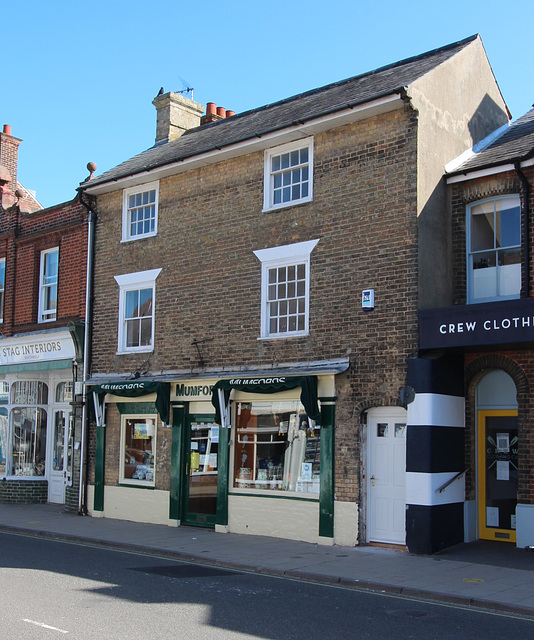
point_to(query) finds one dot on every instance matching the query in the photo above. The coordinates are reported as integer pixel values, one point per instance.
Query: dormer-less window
(48, 285)
(140, 212)
(288, 175)
(285, 289)
(494, 249)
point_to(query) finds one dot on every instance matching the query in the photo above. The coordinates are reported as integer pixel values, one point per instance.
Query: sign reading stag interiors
(36, 348)
(509, 321)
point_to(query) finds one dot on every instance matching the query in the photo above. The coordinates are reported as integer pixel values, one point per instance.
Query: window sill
(136, 485)
(133, 351)
(273, 493)
(285, 205)
(141, 237)
(286, 336)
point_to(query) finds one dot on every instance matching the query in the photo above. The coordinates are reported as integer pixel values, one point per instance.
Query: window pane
(29, 392)
(132, 333)
(146, 332)
(145, 300)
(28, 441)
(138, 453)
(285, 161)
(382, 430)
(132, 300)
(276, 163)
(64, 392)
(276, 448)
(510, 230)
(482, 231)
(304, 155)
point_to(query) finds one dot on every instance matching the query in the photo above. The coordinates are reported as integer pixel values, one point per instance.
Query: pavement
(483, 574)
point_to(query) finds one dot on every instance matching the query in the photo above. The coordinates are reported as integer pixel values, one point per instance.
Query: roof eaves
(401, 91)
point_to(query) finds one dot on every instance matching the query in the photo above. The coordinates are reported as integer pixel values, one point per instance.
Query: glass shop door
(60, 474)
(201, 457)
(497, 474)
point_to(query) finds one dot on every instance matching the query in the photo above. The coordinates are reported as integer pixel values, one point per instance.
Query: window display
(277, 448)
(28, 431)
(138, 442)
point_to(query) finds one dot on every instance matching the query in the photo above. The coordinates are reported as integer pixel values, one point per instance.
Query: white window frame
(287, 255)
(127, 236)
(132, 282)
(44, 314)
(2, 288)
(269, 177)
(134, 481)
(470, 254)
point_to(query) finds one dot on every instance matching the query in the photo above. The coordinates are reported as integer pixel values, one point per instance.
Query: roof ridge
(340, 83)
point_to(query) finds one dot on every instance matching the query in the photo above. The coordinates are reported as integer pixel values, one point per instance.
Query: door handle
(372, 481)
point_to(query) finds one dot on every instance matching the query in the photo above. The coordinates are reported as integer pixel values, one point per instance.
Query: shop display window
(277, 448)
(29, 392)
(138, 450)
(28, 441)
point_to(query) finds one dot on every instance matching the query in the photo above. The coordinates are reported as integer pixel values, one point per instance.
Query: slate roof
(516, 143)
(304, 107)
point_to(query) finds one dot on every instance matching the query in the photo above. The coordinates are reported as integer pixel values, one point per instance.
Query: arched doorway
(497, 460)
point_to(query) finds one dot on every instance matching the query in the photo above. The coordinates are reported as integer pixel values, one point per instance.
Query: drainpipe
(526, 228)
(87, 350)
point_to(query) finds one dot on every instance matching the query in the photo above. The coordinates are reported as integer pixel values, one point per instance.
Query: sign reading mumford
(56, 346)
(477, 324)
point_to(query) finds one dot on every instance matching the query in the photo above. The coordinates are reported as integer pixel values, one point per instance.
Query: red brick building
(257, 283)
(42, 307)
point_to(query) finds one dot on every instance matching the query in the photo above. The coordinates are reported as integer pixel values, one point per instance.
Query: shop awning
(134, 389)
(274, 384)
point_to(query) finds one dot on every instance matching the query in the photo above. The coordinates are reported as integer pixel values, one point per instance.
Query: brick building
(478, 349)
(256, 287)
(42, 307)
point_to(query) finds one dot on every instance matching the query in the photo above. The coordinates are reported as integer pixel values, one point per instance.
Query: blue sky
(79, 78)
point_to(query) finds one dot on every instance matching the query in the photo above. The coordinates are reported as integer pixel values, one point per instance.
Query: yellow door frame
(484, 532)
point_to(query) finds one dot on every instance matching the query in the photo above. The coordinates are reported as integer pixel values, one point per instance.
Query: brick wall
(22, 238)
(23, 492)
(210, 222)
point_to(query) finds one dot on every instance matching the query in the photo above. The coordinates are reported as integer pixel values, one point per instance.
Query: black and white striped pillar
(435, 454)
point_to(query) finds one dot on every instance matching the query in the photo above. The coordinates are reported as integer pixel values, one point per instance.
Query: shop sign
(510, 321)
(36, 348)
(194, 390)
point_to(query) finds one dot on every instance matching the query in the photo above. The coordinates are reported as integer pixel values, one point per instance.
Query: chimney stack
(9, 154)
(175, 115)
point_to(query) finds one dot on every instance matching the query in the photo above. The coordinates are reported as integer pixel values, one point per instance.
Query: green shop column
(178, 424)
(100, 450)
(326, 493)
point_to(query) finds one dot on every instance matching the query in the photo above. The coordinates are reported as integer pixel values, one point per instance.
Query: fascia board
(488, 172)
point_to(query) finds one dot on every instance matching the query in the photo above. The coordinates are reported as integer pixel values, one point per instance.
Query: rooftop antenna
(186, 88)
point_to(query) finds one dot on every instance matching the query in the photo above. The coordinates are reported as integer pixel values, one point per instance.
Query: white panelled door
(386, 475)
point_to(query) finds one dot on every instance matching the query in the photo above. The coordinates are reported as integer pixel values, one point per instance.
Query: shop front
(239, 454)
(37, 437)
(469, 425)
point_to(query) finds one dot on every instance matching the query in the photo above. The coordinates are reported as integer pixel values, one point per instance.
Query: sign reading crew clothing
(503, 322)
(133, 389)
(308, 397)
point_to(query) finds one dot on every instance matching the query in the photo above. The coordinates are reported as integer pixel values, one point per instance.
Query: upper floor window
(288, 174)
(285, 289)
(2, 287)
(140, 212)
(494, 249)
(48, 285)
(136, 311)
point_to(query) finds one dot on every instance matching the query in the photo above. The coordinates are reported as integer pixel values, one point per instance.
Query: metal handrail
(451, 480)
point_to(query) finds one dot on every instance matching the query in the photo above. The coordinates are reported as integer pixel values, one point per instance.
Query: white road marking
(45, 626)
